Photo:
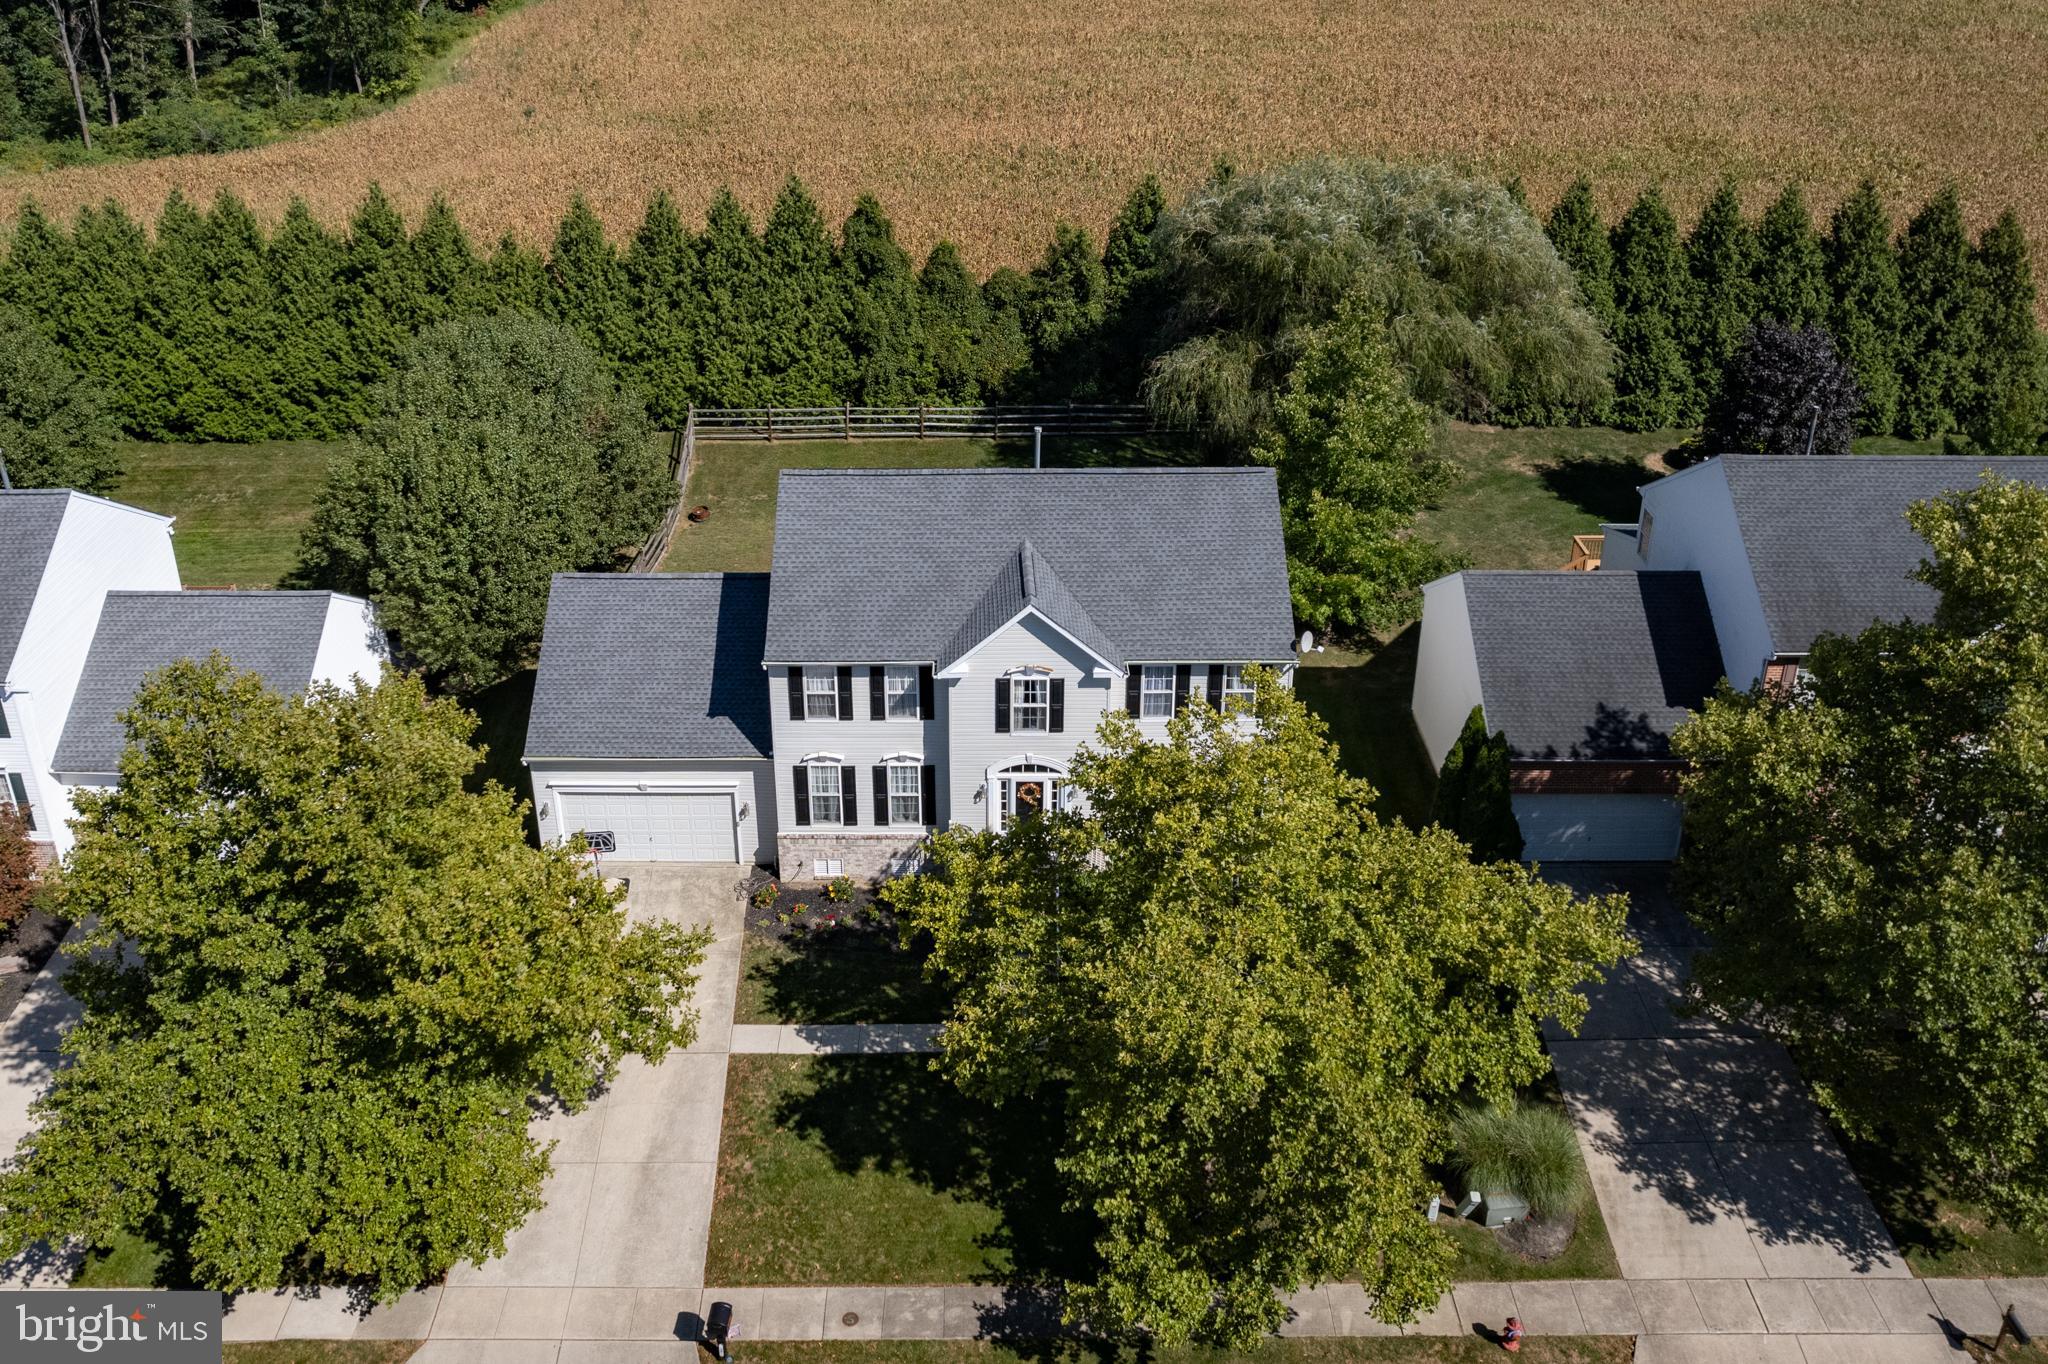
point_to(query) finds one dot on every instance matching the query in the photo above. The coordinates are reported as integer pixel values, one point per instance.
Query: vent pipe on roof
(1037, 446)
(6, 484)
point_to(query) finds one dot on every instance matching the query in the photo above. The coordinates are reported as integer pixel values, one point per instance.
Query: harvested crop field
(987, 123)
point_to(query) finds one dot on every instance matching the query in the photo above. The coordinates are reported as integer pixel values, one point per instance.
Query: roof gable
(652, 665)
(1828, 541)
(1591, 666)
(909, 565)
(275, 635)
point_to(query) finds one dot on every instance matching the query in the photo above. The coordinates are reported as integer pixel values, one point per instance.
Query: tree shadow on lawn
(897, 1115)
(848, 975)
(1600, 485)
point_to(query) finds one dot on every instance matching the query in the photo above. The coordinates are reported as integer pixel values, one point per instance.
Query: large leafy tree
(501, 453)
(55, 431)
(1256, 1003)
(1482, 313)
(328, 987)
(1352, 451)
(1785, 392)
(1867, 853)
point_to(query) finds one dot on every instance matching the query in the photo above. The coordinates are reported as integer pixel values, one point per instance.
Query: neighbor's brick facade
(1594, 778)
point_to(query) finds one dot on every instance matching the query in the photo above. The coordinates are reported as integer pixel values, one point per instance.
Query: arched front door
(1022, 789)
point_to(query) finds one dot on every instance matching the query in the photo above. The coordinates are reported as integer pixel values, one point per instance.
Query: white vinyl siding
(1156, 698)
(861, 742)
(900, 693)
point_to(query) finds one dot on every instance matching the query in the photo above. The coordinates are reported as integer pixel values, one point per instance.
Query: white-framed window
(14, 792)
(1031, 705)
(825, 808)
(824, 868)
(1155, 701)
(906, 794)
(1236, 691)
(821, 694)
(900, 696)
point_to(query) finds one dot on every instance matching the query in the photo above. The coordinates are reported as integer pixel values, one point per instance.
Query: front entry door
(1032, 795)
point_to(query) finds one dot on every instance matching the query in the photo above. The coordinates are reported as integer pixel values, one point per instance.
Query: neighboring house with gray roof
(929, 650)
(61, 552)
(291, 640)
(1734, 568)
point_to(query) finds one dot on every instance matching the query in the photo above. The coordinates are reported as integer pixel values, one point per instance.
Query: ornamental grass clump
(1529, 1152)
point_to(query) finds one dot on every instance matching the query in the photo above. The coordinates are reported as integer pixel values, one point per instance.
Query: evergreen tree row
(1939, 330)
(214, 329)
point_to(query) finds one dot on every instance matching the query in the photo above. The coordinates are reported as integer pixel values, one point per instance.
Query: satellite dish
(1308, 641)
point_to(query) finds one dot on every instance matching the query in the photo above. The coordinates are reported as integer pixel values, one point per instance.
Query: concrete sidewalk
(1828, 1321)
(1707, 1154)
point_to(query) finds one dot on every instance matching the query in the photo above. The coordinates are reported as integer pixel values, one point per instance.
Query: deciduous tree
(501, 453)
(1255, 1003)
(312, 1057)
(1867, 853)
(1786, 392)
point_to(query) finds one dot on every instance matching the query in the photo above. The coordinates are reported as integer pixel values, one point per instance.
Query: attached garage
(1598, 828)
(658, 826)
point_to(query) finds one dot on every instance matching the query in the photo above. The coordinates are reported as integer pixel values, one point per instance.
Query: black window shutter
(881, 797)
(1058, 722)
(845, 692)
(877, 706)
(28, 816)
(931, 795)
(1002, 705)
(803, 794)
(1215, 686)
(796, 693)
(847, 795)
(927, 702)
(1183, 673)
(1134, 684)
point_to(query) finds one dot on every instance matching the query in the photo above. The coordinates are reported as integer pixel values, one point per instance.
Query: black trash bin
(718, 1327)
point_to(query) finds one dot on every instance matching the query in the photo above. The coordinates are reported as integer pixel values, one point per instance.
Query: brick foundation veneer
(1594, 778)
(873, 856)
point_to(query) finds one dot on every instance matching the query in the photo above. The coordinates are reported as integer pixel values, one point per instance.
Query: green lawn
(321, 1352)
(240, 508)
(129, 1261)
(874, 1170)
(1940, 1236)
(811, 980)
(1363, 693)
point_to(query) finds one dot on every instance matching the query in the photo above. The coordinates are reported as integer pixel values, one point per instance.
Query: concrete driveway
(29, 1039)
(1707, 1156)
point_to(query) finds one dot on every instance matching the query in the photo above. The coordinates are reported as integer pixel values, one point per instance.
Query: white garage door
(1598, 828)
(657, 826)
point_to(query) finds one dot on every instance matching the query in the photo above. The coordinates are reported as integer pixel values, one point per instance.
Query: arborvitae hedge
(1940, 333)
(210, 328)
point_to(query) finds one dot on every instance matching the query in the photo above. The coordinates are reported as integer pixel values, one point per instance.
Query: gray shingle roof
(1600, 665)
(895, 565)
(1828, 539)
(1026, 579)
(29, 521)
(273, 634)
(652, 665)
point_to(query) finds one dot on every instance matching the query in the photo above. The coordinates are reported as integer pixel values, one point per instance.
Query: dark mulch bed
(819, 954)
(1539, 1239)
(853, 914)
(24, 952)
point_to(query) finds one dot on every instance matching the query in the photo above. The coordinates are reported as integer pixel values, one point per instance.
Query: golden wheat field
(987, 122)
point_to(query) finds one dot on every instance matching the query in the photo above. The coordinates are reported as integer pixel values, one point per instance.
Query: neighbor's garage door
(652, 826)
(1598, 828)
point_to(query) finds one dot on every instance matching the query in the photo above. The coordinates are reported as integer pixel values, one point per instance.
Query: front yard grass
(810, 980)
(875, 1170)
(321, 1352)
(1942, 1237)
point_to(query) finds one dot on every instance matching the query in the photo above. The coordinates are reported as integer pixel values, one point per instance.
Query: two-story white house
(90, 604)
(1734, 567)
(61, 552)
(931, 648)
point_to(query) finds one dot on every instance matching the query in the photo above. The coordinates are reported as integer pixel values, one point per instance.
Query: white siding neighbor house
(61, 553)
(292, 640)
(1733, 569)
(930, 650)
